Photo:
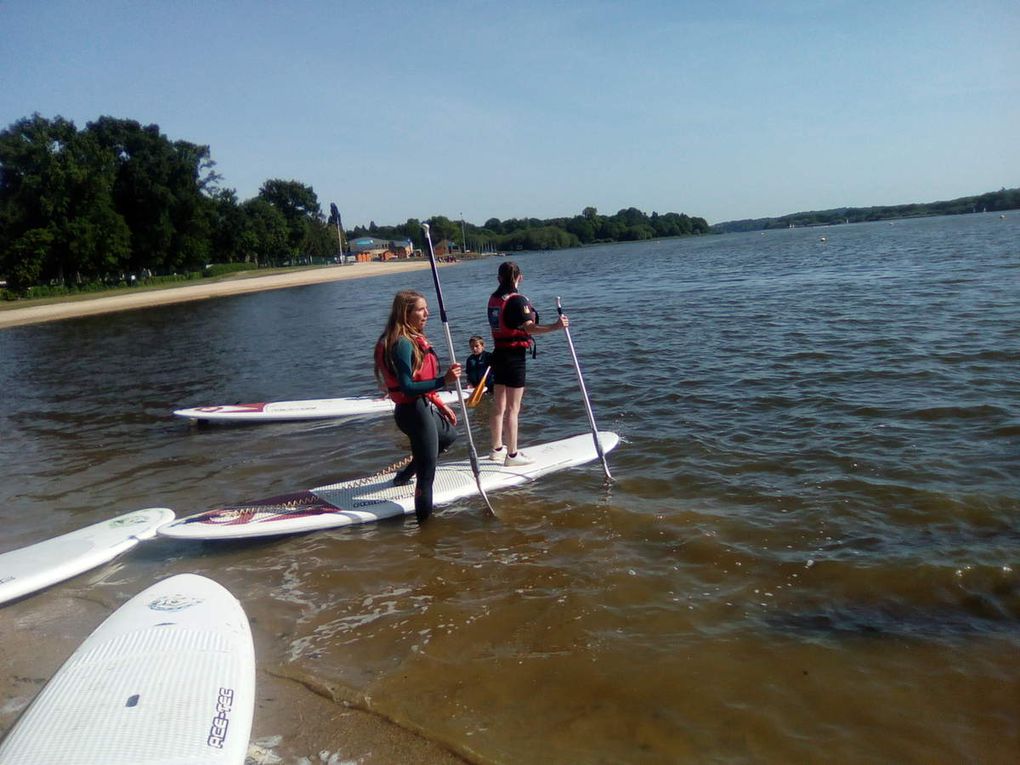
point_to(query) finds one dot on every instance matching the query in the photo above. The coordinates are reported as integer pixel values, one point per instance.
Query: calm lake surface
(810, 553)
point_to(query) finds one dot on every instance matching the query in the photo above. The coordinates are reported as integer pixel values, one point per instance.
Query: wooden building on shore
(366, 249)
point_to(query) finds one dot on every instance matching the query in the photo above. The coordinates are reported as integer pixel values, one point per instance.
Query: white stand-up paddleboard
(168, 678)
(375, 498)
(311, 409)
(37, 566)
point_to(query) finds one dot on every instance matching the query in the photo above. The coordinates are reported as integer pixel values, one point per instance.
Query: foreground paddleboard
(168, 678)
(37, 566)
(372, 499)
(312, 409)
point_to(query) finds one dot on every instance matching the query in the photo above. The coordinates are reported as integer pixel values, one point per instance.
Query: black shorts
(508, 366)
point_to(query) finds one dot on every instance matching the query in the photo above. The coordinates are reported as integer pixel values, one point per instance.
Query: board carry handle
(584, 395)
(453, 360)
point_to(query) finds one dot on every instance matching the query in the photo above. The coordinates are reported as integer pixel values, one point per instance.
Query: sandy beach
(243, 283)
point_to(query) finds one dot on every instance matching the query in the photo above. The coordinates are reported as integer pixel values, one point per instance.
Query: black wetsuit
(429, 432)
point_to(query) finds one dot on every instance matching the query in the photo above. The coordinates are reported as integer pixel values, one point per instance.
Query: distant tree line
(120, 202)
(550, 234)
(994, 201)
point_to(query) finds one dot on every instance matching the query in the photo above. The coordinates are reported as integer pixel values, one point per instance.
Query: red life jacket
(502, 335)
(429, 370)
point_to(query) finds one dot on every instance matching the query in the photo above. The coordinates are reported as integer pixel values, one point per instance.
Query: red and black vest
(429, 370)
(504, 336)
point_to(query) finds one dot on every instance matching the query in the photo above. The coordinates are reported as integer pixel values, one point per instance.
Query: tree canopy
(92, 206)
(118, 197)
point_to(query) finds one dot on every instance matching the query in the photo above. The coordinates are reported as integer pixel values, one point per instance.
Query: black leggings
(430, 434)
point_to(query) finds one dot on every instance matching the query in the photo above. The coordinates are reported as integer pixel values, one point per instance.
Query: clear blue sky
(508, 109)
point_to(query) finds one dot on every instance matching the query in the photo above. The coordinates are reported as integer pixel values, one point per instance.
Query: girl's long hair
(397, 326)
(509, 273)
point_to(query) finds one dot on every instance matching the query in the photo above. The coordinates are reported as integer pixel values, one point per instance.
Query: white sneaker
(518, 459)
(497, 455)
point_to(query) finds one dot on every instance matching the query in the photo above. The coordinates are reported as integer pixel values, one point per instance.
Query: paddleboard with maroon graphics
(310, 409)
(371, 499)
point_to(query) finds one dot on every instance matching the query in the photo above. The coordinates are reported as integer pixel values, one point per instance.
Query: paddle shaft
(453, 360)
(584, 395)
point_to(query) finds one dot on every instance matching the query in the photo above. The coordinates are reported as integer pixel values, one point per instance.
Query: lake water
(809, 553)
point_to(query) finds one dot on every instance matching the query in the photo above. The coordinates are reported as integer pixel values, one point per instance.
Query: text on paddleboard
(220, 723)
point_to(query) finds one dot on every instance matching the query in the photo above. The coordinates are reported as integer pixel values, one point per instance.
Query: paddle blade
(476, 396)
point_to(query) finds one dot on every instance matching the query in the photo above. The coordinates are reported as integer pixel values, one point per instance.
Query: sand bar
(246, 281)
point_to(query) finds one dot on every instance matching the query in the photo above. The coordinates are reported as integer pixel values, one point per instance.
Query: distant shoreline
(242, 284)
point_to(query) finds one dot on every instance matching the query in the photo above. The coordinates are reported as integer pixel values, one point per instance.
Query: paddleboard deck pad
(32, 568)
(311, 409)
(372, 499)
(169, 677)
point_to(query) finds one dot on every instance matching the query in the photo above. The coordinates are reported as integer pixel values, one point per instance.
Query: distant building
(369, 248)
(401, 248)
(447, 248)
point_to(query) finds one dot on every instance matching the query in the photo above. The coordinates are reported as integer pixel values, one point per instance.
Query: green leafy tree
(540, 238)
(29, 151)
(60, 181)
(582, 228)
(441, 227)
(318, 241)
(297, 203)
(265, 236)
(159, 192)
(295, 200)
(227, 223)
(610, 230)
(637, 233)
(24, 258)
(93, 237)
(33, 193)
(411, 229)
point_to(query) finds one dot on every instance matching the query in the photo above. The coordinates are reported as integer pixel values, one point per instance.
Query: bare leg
(496, 415)
(513, 409)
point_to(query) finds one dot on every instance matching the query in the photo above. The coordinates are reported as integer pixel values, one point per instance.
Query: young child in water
(477, 363)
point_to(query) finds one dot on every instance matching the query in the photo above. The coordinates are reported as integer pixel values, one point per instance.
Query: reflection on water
(808, 555)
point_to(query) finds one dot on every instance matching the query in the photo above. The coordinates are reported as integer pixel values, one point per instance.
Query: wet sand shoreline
(293, 724)
(242, 284)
